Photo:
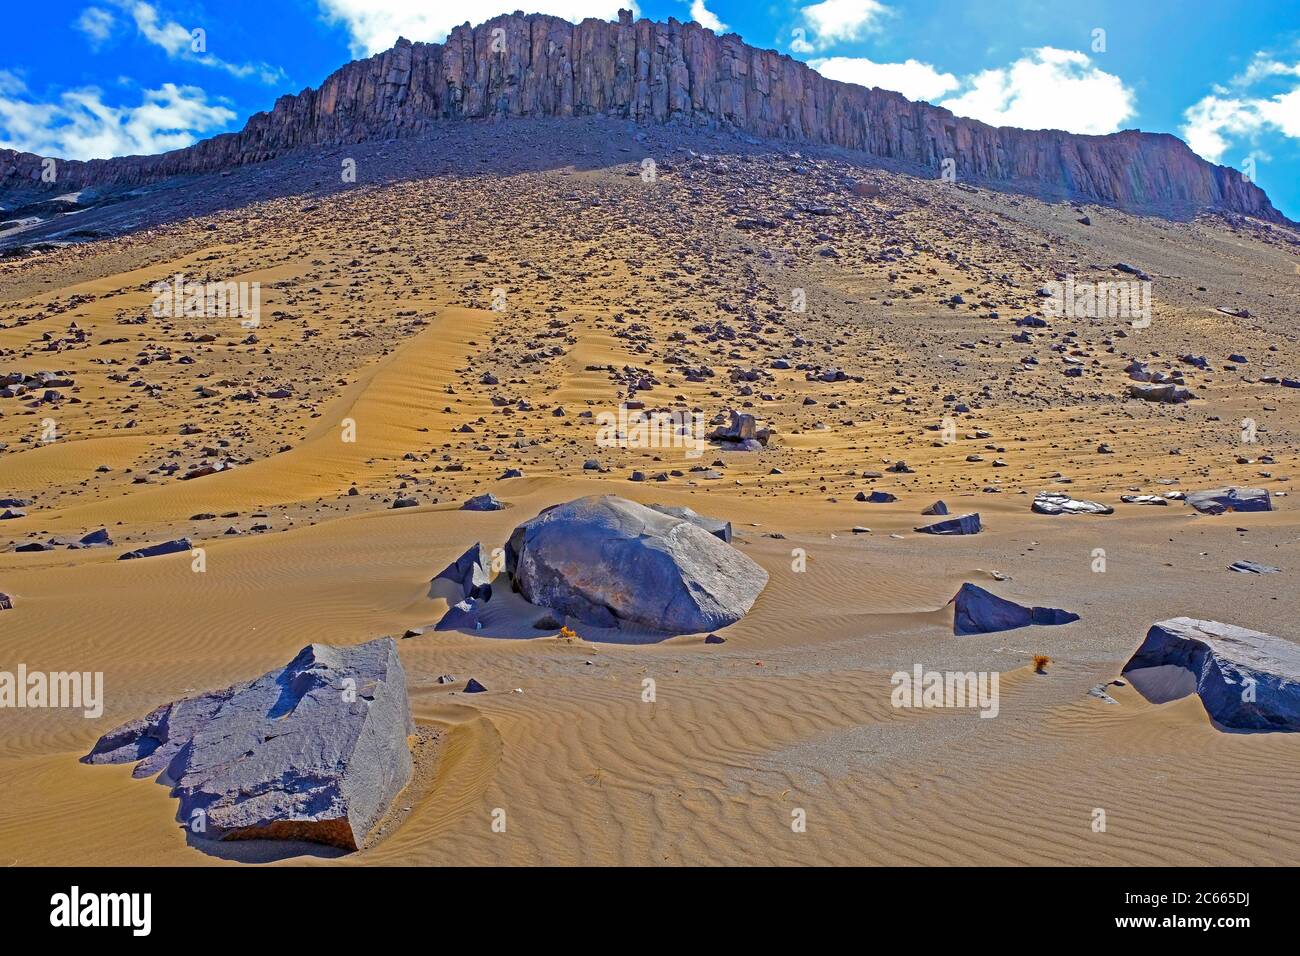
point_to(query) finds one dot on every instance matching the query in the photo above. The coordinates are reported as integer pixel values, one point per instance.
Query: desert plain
(448, 318)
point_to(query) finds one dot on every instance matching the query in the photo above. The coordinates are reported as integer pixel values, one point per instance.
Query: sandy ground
(376, 314)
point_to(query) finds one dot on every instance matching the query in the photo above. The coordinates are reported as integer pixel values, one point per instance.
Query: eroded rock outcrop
(650, 72)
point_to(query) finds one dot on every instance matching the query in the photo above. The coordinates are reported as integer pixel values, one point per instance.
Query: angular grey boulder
(1055, 503)
(608, 562)
(1169, 393)
(741, 433)
(469, 573)
(1253, 567)
(1247, 680)
(314, 751)
(96, 539)
(155, 550)
(714, 526)
(462, 616)
(6, 602)
(1138, 371)
(1217, 501)
(962, 524)
(483, 502)
(978, 611)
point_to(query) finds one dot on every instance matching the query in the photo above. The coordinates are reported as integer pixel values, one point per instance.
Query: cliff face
(649, 72)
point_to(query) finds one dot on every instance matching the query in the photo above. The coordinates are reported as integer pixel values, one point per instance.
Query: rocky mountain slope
(655, 73)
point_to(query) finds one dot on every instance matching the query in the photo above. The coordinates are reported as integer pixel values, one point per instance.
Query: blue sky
(88, 78)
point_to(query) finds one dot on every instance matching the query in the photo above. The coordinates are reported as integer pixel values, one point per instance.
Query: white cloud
(80, 125)
(177, 41)
(912, 78)
(1263, 67)
(838, 21)
(1213, 119)
(1228, 115)
(1047, 89)
(375, 27)
(167, 34)
(97, 24)
(706, 18)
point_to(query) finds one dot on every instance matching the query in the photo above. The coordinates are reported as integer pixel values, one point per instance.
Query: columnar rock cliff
(651, 72)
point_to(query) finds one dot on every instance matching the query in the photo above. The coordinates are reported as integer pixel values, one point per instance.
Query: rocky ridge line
(535, 65)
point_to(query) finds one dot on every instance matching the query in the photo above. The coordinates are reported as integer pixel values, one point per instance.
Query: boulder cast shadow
(508, 617)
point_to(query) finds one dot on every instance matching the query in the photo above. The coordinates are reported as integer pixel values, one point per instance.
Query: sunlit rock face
(648, 72)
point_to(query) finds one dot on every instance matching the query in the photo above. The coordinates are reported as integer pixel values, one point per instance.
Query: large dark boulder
(1247, 680)
(1217, 501)
(316, 750)
(608, 561)
(978, 611)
